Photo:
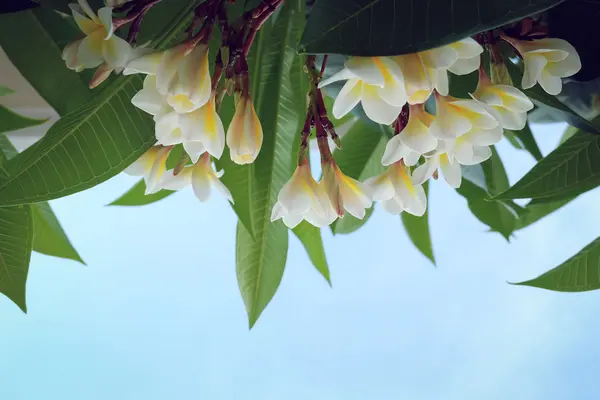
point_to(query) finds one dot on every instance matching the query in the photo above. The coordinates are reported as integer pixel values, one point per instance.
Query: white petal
(342, 75)
(167, 129)
(148, 99)
(348, 98)
(292, 220)
(534, 64)
(480, 154)
(486, 137)
(201, 182)
(277, 212)
(365, 69)
(295, 195)
(194, 149)
(511, 119)
(452, 172)
(355, 197)
(393, 205)
(380, 187)
(425, 171)
(416, 136)
(439, 58)
(476, 112)
(86, 25)
(551, 84)
(440, 81)
(467, 48)
(176, 182)
(167, 69)
(90, 50)
(395, 150)
(222, 188)
(147, 64)
(376, 109)
(116, 52)
(465, 66)
(412, 158)
(105, 16)
(448, 123)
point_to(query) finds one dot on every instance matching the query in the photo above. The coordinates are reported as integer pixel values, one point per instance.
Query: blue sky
(156, 314)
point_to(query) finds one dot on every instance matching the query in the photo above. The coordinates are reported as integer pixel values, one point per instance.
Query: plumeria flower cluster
(393, 91)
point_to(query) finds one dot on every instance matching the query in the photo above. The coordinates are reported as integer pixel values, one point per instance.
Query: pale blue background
(156, 314)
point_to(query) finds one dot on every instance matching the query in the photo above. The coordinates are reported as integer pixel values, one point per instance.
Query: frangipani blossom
(436, 161)
(456, 117)
(152, 166)
(375, 82)
(468, 53)
(546, 61)
(345, 192)
(100, 44)
(182, 75)
(397, 191)
(201, 176)
(417, 80)
(244, 134)
(413, 141)
(303, 198)
(505, 103)
(473, 147)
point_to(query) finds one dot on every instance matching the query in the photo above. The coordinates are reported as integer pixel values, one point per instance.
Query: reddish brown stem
(323, 65)
(138, 10)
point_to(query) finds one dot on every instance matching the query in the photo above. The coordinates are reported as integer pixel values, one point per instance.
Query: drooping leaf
(417, 229)
(479, 182)
(571, 169)
(360, 158)
(88, 146)
(11, 121)
(579, 273)
(534, 211)
(16, 237)
(310, 236)
(136, 197)
(280, 100)
(524, 140)
(391, 27)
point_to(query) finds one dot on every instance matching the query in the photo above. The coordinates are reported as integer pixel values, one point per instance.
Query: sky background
(156, 313)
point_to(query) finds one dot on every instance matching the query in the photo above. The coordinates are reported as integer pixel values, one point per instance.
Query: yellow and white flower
(468, 53)
(546, 61)
(418, 82)
(505, 103)
(397, 191)
(413, 141)
(99, 44)
(456, 117)
(182, 75)
(345, 193)
(152, 167)
(473, 147)
(201, 176)
(244, 134)
(375, 82)
(436, 161)
(303, 198)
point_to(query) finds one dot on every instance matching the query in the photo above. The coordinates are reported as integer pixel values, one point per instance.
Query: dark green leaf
(390, 27)
(49, 237)
(280, 100)
(88, 146)
(571, 169)
(310, 236)
(16, 237)
(11, 121)
(17, 6)
(363, 146)
(570, 131)
(535, 211)
(579, 273)
(524, 140)
(418, 231)
(136, 197)
(462, 86)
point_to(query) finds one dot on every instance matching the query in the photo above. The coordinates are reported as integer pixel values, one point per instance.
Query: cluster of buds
(393, 91)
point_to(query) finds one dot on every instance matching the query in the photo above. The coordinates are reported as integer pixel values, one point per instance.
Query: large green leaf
(11, 121)
(479, 182)
(16, 237)
(363, 146)
(571, 169)
(38, 58)
(280, 100)
(534, 211)
(136, 197)
(578, 274)
(390, 27)
(88, 146)
(524, 140)
(418, 231)
(310, 236)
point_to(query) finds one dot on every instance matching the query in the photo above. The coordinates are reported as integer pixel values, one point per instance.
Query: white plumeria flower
(413, 141)
(244, 134)
(201, 176)
(439, 160)
(100, 44)
(182, 75)
(473, 147)
(468, 53)
(418, 83)
(152, 166)
(345, 192)
(505, 103)
(397, 192)
(303, 198)
(375, 82)
(455, 117)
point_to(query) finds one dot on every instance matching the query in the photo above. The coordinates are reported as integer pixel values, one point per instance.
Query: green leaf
(538, 94)
(88, 146)
(136, 197)
(34, 47)
(391, 27)
(4, 90)
(16, 237)
(567, 134)
(311, 239)
(11, 121)
(524, 140)
(462, 86)
(281, 105)
(479, 182)
(363, 146)
(49, 237)
(535, 211)
(571, 169)
(579, 273)
(418, 231)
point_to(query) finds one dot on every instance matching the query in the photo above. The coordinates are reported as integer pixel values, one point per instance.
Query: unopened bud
(101, 74)
(499, 74)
